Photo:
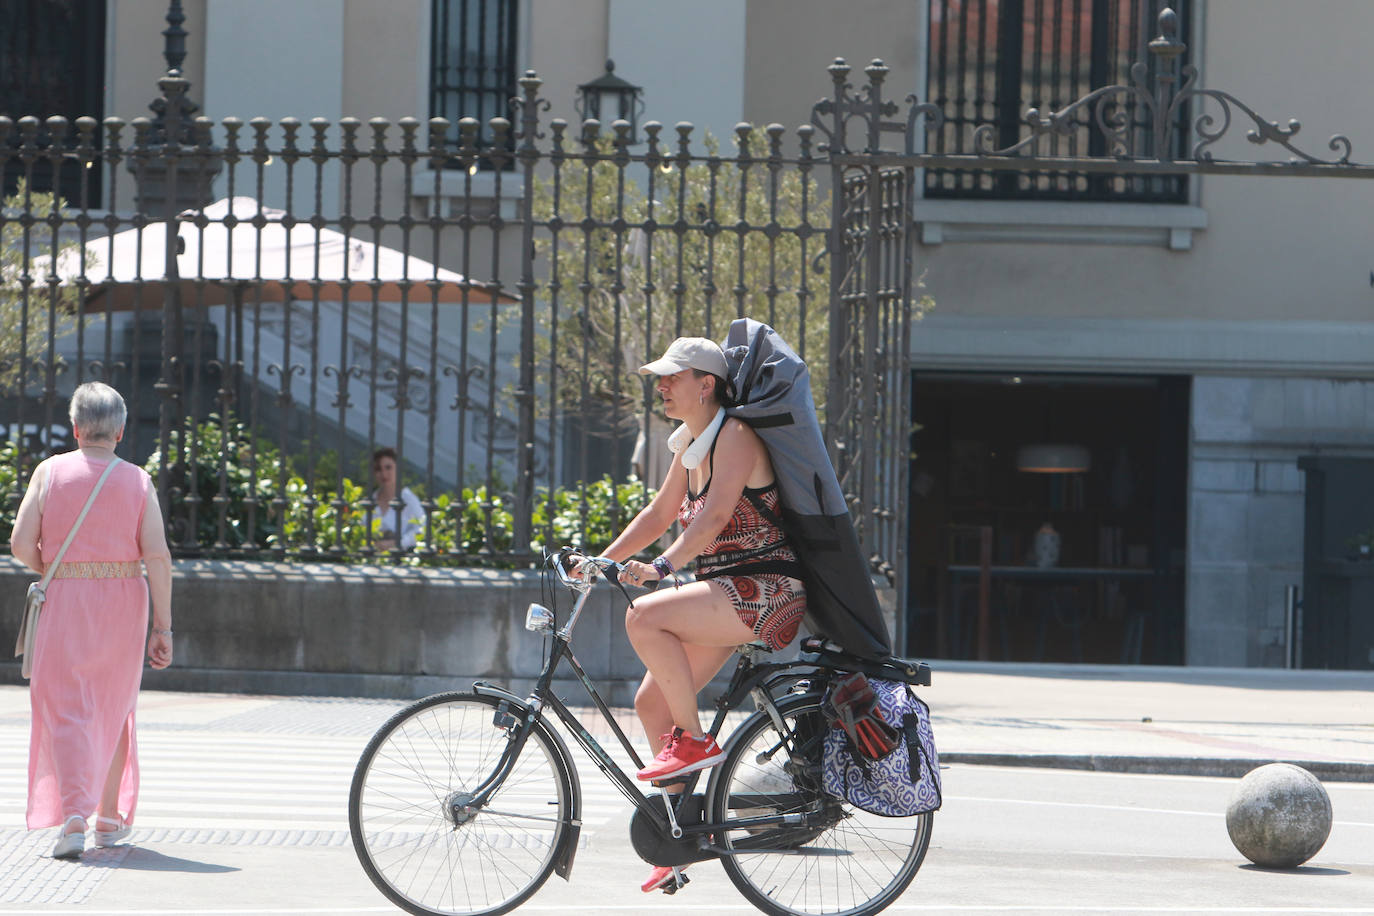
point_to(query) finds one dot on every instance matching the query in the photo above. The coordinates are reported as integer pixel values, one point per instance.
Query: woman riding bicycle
(721, 488)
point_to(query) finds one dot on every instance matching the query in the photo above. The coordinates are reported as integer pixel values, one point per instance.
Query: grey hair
(98, 410)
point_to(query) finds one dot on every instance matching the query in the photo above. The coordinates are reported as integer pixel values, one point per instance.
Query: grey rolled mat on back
(774, 390)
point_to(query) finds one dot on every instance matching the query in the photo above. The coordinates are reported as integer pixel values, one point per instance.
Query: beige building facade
(1249, 295)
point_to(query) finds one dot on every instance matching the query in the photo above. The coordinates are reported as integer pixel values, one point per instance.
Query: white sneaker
(70, 845)
(110, 837)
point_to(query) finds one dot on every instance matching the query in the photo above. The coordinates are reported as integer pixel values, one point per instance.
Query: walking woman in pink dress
(88, 658)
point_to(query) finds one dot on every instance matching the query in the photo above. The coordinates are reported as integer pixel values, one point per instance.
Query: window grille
(52, 62)
(990, 60)
(472, 69)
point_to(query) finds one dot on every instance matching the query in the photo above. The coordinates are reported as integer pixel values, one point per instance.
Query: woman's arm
(654, 519)
(740, 455)
(152, 543)
(28, 523)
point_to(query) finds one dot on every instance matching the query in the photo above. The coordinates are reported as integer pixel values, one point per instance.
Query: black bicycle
(465, 803)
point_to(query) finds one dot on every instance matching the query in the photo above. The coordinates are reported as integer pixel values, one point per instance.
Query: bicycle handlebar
(568, 559)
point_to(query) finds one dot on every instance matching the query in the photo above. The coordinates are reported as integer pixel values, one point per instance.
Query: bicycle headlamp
(539, 619)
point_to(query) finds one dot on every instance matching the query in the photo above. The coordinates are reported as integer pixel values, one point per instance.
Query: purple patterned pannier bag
(906, 781)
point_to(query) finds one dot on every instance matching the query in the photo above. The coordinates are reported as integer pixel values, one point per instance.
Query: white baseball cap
(689, 353)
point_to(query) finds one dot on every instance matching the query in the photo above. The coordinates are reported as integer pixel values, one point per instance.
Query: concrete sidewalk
(1187, 721)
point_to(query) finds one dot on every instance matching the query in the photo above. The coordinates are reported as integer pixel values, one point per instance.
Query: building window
(990, 60)
(472, 63)
(52, 62)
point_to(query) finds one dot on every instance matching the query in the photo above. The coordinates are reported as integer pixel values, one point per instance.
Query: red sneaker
(683, 754)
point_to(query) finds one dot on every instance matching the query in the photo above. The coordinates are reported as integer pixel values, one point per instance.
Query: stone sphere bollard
(1279, 816)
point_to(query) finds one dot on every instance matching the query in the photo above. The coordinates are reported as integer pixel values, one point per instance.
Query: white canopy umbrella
(126, 270)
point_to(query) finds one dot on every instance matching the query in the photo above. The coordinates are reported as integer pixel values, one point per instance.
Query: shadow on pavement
(149, 860)
(1315, 870)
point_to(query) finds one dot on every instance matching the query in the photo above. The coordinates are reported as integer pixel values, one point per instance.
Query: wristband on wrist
(665, 568)
(161, 631)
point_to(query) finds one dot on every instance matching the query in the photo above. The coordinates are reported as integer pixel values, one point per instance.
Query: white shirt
(412, 518)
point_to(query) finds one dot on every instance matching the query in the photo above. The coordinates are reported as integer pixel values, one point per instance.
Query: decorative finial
(1167, 44)
(174, 47)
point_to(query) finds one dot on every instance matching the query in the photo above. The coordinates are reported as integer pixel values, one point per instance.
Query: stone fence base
(366, 631)
(322, 629)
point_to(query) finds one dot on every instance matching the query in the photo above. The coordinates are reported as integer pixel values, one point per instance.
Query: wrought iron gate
(872, 306)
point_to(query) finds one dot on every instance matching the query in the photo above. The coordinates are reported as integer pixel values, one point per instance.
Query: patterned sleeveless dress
(88, 655)
(753, 563)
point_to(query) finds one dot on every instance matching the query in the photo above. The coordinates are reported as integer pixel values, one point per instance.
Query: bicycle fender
(563, 858)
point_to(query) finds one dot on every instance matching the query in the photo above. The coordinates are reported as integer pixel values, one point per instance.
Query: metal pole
(528, 155)
(984, 592)
(836, 402)
(1292, 608)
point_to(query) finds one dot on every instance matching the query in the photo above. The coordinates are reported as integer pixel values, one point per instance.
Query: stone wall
(1245, 503)
(362, 631)
(324, 629)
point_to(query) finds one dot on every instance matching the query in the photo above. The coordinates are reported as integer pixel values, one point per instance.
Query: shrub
(11, 487)
(608, 508)
(298, 522)
(252, 468)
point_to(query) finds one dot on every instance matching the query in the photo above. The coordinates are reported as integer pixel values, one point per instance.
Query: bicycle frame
(748, 679)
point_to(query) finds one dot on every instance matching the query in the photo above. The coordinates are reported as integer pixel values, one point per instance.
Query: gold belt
(126, 569)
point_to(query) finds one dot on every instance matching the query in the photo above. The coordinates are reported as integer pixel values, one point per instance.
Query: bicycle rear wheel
(419, 841)
(838, 860)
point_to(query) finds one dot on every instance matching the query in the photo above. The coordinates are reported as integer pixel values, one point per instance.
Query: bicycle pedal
(672, 887)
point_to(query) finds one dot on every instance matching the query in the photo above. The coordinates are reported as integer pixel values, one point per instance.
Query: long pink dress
(88, 654)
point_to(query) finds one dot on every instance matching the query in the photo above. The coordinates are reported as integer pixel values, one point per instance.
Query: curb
(1230, 767)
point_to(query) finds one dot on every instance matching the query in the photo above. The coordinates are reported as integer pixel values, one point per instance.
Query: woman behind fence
(722, 489)
(88, 657)
(385, 471)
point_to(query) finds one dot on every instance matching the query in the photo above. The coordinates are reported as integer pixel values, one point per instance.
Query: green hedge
(322, 522)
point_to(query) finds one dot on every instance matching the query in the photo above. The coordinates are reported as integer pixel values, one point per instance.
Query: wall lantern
(1053, 459)
(609, 98)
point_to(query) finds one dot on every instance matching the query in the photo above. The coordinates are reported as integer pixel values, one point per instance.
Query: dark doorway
(1048, 517)
(1338, 563)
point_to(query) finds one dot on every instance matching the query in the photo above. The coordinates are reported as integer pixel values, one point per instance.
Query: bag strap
(90, 500)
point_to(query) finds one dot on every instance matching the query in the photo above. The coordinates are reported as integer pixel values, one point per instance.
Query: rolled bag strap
(789, 568)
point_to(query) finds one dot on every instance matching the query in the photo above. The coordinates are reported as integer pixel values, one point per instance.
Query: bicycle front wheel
(836, 860)
(418, 838)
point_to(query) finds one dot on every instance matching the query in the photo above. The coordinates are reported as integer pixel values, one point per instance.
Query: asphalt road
(244, 814)
(1014, 840)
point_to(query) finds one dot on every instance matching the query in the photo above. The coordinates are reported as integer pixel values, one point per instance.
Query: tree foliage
(36, 312)
(639, 253)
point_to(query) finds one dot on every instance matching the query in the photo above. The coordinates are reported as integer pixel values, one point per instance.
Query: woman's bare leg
(109, 798)
(652, 707)
(660, 624)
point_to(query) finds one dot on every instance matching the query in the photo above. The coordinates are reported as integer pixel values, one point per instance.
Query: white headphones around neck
(696, 449)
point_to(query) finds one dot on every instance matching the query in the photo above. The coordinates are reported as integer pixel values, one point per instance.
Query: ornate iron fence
(281, 299)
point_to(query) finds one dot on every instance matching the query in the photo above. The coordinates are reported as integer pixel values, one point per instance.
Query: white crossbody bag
(37, 594)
